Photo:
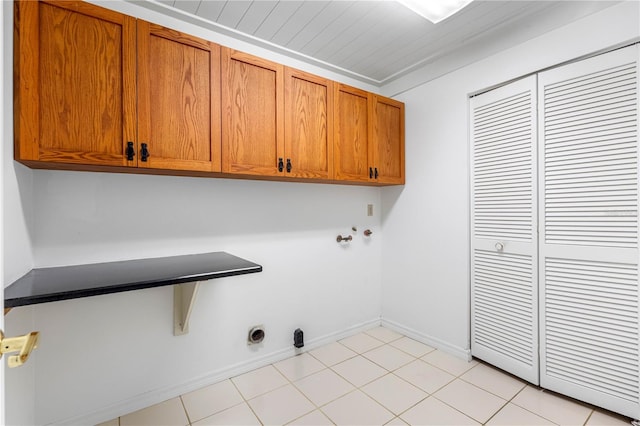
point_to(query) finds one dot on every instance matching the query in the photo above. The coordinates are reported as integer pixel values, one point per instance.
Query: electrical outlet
(369, 209)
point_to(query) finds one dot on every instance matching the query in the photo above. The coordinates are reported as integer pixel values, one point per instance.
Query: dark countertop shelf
(43, 285)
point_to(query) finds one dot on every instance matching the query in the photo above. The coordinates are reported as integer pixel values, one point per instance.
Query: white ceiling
(378, 42)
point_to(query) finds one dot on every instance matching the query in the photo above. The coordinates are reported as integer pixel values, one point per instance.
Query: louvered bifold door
(504, 295)
(588, 128)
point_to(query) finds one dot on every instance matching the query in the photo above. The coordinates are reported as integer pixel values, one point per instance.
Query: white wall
(16, 179)
(2, 119)
(104, 356)
(426, 224)
(17, 256)
(121, 346)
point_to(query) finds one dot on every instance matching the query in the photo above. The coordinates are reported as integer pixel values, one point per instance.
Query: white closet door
(504, 295)
(588, 180)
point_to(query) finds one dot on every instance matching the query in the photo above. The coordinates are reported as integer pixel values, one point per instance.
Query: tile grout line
(518, 393)
(302, 393)
(326, 367)
(329, 366)
(355, 387)
(408, 353)
(404, 411)
(589, 417)
(418, 402)
(245, 400)
(458, 377)
(497, 411)
(387, 372)
(186, 413)
(391, 372)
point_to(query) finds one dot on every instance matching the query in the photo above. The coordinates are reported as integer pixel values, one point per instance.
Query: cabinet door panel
(253, 119)
(75, 80)
(352, 152)
(178, 105)
(388, 139)
(309, 136)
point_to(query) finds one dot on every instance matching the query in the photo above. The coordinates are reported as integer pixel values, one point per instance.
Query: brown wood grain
(388, 139)
(352, 154)
(85, 84)
(309, 125)
(73, 93)
(192, 173)
(178, 99)
(252, 114)
(26, 104)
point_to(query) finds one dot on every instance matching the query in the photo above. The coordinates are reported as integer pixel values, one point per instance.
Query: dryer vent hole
(256, 335)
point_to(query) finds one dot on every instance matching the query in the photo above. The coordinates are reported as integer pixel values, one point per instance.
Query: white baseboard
(428, 340)
(162, 394)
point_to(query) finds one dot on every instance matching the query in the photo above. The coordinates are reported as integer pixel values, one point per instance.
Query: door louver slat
(503, 303)
(504, 328)
(502, 149)
(582, 307)
(588, 272)
(573, 162)
(588, 119)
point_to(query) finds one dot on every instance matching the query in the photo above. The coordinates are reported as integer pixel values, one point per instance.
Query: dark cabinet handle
(280, 165)
(370, 172)
(288, 165)
(375, 174)
(130, 151)
(144, 152)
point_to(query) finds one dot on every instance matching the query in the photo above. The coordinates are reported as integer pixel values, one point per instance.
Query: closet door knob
(499, 246)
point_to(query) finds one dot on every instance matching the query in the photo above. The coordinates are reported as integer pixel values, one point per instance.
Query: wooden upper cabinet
(352, 152)
(369, 137)
(178, 100)
(309, 125)
(252, 115)
(74, 70)
(387, 136)
(95, 89)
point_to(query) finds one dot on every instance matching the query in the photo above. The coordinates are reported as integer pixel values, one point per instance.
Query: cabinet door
(309, 126)
(252, 114)
(352, 154)
(178, 100)
(75, 83)
(388, 140)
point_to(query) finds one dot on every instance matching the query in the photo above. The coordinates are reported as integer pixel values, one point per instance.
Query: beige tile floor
(373, 378)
